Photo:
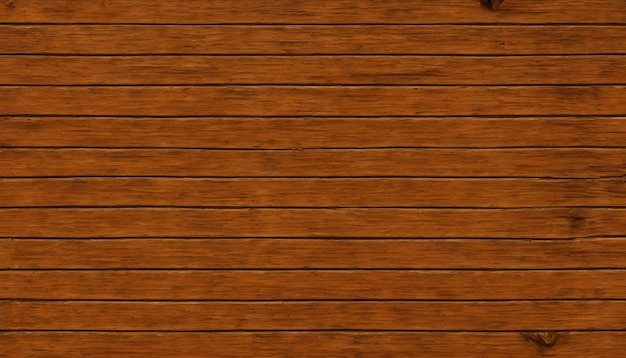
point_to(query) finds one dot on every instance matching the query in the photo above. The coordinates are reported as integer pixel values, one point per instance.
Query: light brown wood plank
(313, 285)
(312, 223)
(307, 345)
(312, 40)
(311, 70)
(554, 163)
(311, 12)
(314, 101)
(359, 315)
(300, 192)
(311, 254)
(291, 133)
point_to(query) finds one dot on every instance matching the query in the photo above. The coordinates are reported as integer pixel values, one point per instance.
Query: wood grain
(312, 40)
(291, 133)
(366, 101)
(554, 163)
(313, 223)
(311, 193)
(312, 254)
(313, 285)
(361, 315)
(311, 70)
(310, 12)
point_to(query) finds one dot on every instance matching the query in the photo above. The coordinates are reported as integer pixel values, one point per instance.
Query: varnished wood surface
(312, 40)
(545, 223)
(325, 315)
(311, 70)
(602, 253)
(240, 285)
(307, 12)
(295, 133)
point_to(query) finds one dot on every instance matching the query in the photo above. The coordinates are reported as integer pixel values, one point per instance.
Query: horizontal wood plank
(292, 133)
(300, 192)
(313, 285)
(314, 100)
(312, 254)
(311, 12)
(333, 315)
(311, 70)
(552, 163)
(312, 223)
(312, 40)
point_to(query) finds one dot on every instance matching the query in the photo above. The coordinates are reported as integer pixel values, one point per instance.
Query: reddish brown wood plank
(554, 163)
(311, 254)
(360, 315)
(319, 223)
(313, 285)
(314, 101)
(311, 12)
(312, 40)
(300, 192)
(311, 70)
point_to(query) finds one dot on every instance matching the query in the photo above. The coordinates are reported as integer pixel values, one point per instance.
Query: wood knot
(543, 339)
(492, 4)
(11, 4)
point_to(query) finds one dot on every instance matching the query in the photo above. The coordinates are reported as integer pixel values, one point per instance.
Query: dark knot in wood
(543, 339)
(492, 4)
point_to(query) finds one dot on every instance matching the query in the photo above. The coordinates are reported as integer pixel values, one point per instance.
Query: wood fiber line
(290, 133)
(315, 101)
(310, 193)
(313, 285)
(310, 12)
(315, 39)
(556, 163)
(311, 70)
(313, 223)
(307, 345)
(311, 254)
(393, 315)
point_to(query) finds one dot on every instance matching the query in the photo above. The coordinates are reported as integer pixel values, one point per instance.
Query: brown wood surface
(312, 39)
(311, 70)
(292, 133)
(308, 344)
(361, 315)
(603, 253)
(313, 285)
(550, 223)
(314, 100)
(308, 12)
(532, 162)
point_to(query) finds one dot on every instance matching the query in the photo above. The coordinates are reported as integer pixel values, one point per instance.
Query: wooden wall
(299, 178)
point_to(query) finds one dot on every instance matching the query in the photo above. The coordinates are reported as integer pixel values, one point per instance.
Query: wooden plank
(312, 254)
(554, 163)
(307, 345)
(311, 12)
(312, 40)
(311, 70)
(313, 285)
(312, 223)
(290, 133)
(327, 315)
(301, 193)
(314, 100)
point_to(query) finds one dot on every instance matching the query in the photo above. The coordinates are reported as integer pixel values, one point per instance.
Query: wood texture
(552, 163)
(312, 254)
(312, 40)
(311, 70)
(313, 285)
(314, 100)
(292, 133)
(361, 315)
(307, 12)
(313, 223)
